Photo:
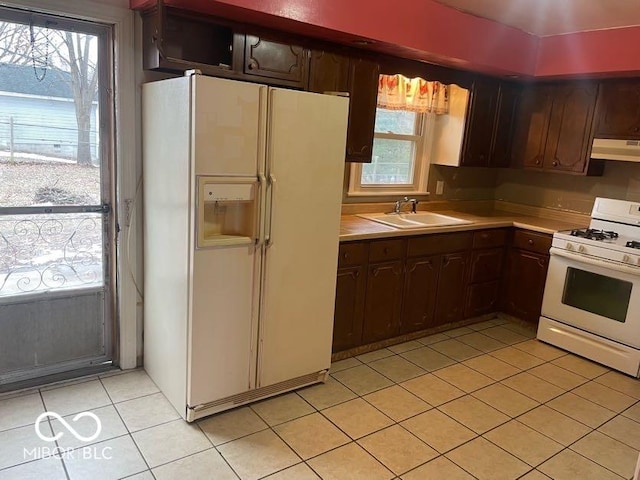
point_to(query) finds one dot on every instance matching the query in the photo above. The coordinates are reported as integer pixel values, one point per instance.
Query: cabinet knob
(345, 255)
(252, 65)
(537, 162)
(530, 242)
(636, 129)
(555, 164)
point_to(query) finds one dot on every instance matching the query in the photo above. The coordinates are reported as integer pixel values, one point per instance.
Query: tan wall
(567, 192)
(462, 183)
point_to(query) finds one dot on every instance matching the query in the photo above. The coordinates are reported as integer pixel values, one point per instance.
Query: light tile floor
(486, 402)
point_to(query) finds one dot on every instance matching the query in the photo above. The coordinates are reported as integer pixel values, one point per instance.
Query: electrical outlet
(439, 187)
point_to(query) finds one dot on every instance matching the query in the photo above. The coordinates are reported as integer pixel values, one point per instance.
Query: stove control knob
(570, 247)
(626, 259)
(582, 249)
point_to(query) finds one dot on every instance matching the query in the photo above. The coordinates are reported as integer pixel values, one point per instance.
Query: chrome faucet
(398, 205)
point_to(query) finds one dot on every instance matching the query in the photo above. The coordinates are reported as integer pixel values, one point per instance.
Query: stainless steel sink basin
(414, 220)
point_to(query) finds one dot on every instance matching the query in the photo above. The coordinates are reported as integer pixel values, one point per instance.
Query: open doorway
(56, 192)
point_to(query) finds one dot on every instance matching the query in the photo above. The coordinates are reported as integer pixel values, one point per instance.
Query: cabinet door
(524, 284)
(451, 288)
(532, 126)
(479, 124)
(619, 109)
(275, 60)
(383, 301)
(570, 127)
(508, 98)
(419, 299)
(328, 72)
(486, 265)
(482, 298)
(363, 93)
(349, 310)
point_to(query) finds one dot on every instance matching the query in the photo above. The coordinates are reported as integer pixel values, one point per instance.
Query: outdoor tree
(69, 55)
(75, 52)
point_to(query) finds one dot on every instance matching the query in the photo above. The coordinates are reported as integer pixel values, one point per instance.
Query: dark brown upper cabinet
(175, 40)
(504, 125)
(328, 72)
(618, 111)
(555, 128)
(479, 125)
(276, 61)
(489, 124)
(333, 72)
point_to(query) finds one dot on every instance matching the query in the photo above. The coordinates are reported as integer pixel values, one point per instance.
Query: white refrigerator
(242, 196)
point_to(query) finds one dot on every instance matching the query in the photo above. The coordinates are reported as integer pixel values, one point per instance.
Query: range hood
(623, 150)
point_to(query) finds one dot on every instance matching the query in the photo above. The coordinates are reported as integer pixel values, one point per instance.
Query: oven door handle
(577, 257)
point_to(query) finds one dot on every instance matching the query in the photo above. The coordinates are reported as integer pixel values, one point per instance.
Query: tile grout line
(125, 426)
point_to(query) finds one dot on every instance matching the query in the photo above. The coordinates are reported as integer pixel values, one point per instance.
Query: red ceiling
(427, 30)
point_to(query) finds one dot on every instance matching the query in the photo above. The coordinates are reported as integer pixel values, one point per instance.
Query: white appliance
(613, 149)
(591, 302)
(242, 198)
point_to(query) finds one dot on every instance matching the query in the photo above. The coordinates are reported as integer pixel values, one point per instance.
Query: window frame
(418, 186)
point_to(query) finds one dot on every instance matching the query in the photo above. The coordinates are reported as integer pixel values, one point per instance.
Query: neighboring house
(39, 116)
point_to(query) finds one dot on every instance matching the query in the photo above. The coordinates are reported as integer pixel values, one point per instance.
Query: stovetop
(594, 234)
(612, 235)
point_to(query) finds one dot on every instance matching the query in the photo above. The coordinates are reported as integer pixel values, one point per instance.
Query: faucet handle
(414, 203)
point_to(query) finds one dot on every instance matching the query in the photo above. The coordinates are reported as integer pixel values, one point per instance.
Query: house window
(405, 114)
(399, 164)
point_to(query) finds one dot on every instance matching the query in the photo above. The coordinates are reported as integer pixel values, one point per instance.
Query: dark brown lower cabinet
(419, 299)
(526, 274)
(395, 286)
(451, 288)
(524, 284)
(383, 301)
(482, 298)
(349, 311)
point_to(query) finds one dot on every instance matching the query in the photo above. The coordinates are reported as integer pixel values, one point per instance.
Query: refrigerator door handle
(271, 183)
(262, 184)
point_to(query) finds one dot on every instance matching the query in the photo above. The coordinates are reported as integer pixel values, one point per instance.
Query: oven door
(593, 295)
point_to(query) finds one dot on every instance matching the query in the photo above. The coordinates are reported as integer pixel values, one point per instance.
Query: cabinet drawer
(351, 254)
(490, 238)
(384, 250)
(531, 241)
(486, 265)
(439, 243)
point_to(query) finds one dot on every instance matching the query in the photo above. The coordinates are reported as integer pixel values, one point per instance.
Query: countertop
(353, 227)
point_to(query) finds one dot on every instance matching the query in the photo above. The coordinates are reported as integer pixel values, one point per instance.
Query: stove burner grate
(633, 244)
(594, 234)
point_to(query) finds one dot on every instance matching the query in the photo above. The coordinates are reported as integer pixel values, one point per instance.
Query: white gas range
(591, 301)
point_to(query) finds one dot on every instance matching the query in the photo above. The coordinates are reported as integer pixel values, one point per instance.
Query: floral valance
(397, 92)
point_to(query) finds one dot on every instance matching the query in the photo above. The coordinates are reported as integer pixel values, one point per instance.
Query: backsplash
(572, 193)
(621, 180)
(462, 183)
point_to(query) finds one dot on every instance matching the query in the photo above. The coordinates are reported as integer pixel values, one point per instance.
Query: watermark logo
(66, 425)
(86, 452)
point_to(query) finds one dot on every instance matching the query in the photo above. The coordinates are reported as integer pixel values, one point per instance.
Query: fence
(19, 138)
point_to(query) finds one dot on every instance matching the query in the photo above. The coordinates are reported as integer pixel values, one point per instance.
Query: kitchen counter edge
(354, 228)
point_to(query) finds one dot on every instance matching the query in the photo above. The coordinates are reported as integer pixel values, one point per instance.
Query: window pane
(49, 128)
(395, 121)
(393, 162)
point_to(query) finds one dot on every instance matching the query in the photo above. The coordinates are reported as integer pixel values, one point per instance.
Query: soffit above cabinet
(453, 38)
(552, 17)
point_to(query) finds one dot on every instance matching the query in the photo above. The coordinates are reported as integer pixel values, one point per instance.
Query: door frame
(126, 117)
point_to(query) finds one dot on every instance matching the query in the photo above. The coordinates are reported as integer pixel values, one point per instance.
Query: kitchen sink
(414, 220)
